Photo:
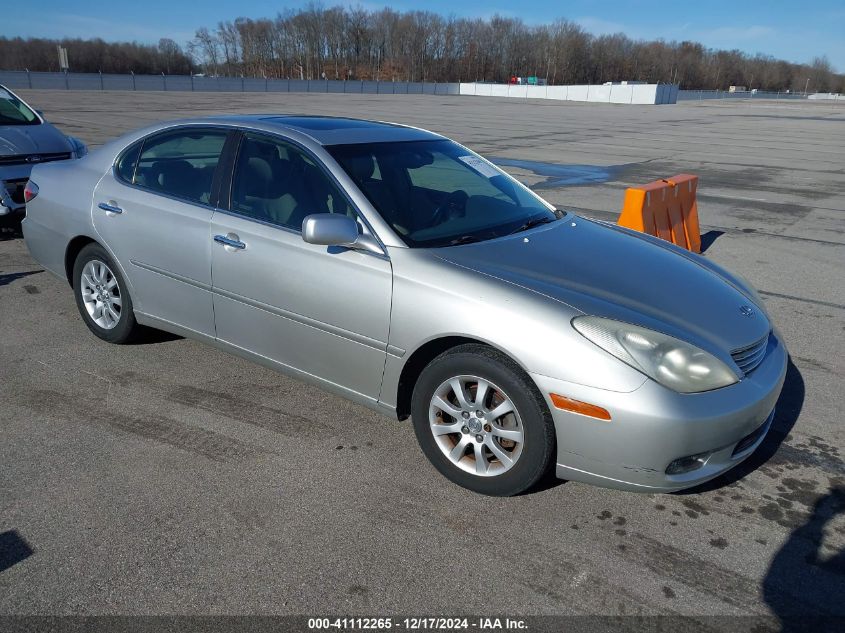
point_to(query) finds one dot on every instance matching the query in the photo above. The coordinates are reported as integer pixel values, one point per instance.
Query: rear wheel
(481, 421)
(102, 296)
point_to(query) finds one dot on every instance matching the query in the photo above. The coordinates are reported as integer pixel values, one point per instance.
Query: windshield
(13, 111)
(437, 193)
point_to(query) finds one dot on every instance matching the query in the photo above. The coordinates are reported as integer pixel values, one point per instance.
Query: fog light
(687, 464)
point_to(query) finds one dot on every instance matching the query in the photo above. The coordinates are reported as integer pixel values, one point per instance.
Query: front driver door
(154, 211)
(323, 311)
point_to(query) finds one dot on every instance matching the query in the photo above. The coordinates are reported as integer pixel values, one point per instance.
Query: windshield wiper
(464, 239)
(530, 224)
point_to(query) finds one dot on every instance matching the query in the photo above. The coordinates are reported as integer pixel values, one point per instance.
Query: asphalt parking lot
(170, 478)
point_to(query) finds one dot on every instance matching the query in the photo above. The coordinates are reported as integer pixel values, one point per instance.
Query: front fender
(435, 299)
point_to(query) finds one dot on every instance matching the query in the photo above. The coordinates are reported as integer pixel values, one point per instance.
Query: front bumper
(652, 426)
(9, 206)
(11, 213)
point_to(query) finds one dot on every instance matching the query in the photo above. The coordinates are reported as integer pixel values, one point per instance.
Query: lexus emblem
(746, 311)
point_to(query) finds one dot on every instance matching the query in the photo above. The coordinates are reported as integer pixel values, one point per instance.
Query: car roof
(328, 130)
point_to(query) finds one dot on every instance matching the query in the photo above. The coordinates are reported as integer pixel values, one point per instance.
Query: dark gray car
(26, 139)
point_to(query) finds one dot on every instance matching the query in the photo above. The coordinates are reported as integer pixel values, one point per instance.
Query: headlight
(671, 362)
(79, 148)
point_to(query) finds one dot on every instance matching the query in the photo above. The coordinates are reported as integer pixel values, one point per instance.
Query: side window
(127, 162)
(278, 183)
(181, 163)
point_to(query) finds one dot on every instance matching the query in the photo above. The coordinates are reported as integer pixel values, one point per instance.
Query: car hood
(606, 271)
(24, 140)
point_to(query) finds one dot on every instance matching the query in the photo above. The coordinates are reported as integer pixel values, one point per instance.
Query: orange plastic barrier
(665, 208)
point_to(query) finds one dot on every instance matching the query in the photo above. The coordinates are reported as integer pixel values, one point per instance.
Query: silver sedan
(401, 270)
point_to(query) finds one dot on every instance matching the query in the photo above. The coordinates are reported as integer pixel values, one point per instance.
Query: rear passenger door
(154, 213)
(323, 311)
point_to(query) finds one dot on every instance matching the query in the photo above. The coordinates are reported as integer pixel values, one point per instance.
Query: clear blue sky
(795, 31)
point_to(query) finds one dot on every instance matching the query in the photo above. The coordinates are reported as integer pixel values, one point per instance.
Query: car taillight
(30, 191)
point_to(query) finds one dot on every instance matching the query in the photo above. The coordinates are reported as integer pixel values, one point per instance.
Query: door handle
(110, 208)
(231, 240)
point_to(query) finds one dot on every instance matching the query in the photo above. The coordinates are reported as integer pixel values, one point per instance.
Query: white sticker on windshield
(479, 165)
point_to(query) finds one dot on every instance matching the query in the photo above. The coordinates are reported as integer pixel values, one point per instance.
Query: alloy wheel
(101, 294)
(476, 425)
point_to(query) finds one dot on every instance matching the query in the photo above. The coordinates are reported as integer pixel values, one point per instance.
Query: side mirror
(329, 229)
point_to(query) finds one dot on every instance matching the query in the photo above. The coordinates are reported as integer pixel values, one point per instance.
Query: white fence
(832, 96)
(651, 94)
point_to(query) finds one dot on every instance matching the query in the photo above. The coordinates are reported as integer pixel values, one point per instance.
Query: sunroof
(324, 123)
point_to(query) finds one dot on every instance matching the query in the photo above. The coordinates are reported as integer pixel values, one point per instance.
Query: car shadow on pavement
(152, 336)
(800, 569)
(787, 410)
(6, 279)
(708, 238)
(547, 482)
(13, 549)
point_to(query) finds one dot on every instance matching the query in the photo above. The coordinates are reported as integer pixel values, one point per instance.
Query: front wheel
(481, 421)
(102, 296)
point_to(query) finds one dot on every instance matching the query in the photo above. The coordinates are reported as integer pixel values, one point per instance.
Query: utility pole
(806, 85)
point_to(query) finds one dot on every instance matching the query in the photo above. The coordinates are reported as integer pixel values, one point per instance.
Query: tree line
(95, 55)
(354, 43)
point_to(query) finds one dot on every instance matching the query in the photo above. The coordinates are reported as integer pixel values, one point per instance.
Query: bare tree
(821, 75)
(205, 44)
(171, 56)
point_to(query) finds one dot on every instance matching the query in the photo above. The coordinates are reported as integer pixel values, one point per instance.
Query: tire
(103, 279)
(507, 466)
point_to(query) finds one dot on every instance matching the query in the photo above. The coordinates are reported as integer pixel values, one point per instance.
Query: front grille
(36, 159)
(750, 356)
